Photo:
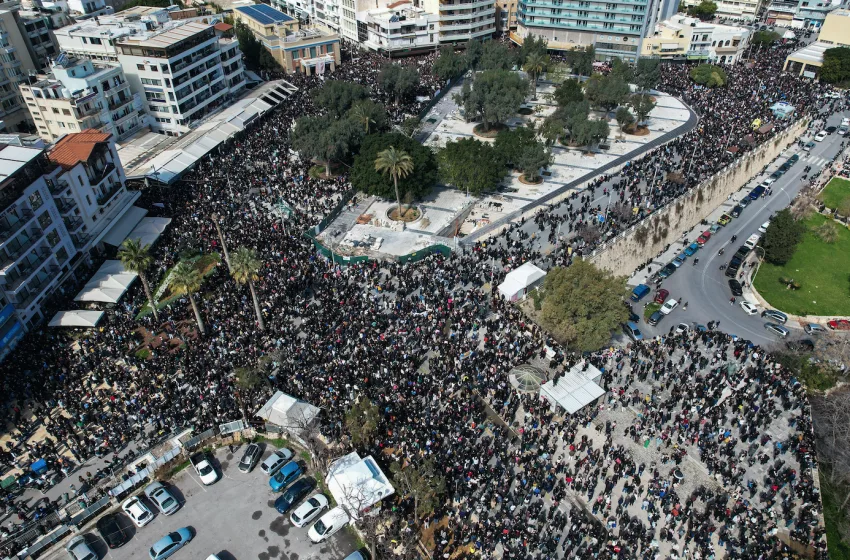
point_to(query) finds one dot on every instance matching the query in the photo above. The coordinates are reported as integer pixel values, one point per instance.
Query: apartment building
(297, 48)
(78, 95)
(742, 10)
(461, 20)
(400, 28)
(835, 32)
(15, 64)
(615, 28)
(506, 15)
(686, 38)
(55, 207)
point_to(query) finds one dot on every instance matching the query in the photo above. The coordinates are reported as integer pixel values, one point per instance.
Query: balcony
(56, 186)
(15, 254)
(65, 205)
(120, 103)
(108, 195)
(72, 223)
(9, 229)
(97, 177)
(80, 240)
(25, 270)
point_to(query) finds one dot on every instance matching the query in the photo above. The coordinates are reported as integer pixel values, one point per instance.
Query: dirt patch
(525, 111)
(410, 214)
(525, 181)
(637, 131)
(494, 130)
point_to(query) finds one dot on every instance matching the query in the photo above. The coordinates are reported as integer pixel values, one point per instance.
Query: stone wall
(645, 240)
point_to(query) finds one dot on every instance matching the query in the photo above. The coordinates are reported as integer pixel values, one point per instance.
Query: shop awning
(124, 226)
(149, 230)
(108, 284)
(76, 318)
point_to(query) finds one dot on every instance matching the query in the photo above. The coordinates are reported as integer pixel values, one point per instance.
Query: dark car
(745, 202)
(655, 318)
(249, 458)
(794, 159)
(756, 192)
(777, 174)
(667, 270)
(733, 267)
(742, 252)
(110, 530)
(294, 494)
(736, 211)
(830, 129)
(735, 286)
(802, 345)
(775, 315)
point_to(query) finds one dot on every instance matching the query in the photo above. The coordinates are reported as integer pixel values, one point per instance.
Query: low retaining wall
(646, 239)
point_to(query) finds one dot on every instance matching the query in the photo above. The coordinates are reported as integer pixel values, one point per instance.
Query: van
(639, 292)
(328, 525)
(752, 241)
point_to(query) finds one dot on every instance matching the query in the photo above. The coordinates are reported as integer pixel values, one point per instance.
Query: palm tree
(186, 279)
(246, 266)
(360, 113)
(535, 64)
(137, 258)
(396, 163)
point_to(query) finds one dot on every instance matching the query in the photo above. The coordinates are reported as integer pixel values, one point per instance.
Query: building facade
(835, 32)
(458, 21)
(79, 95)
(685, 38)
(400, 28)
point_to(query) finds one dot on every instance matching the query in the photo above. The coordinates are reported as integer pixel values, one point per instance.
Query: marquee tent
(518, 282)
(357, 484)
(76, 318)
(108, 284)
(149, 230)
(575, 389)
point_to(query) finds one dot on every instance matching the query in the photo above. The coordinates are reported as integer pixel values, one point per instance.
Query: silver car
(164, 501)
(276, 460)
(776, 329)
(78, 549)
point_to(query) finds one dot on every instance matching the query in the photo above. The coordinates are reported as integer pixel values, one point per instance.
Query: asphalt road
(704, 286)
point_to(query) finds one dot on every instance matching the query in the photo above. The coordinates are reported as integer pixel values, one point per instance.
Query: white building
(462, 20)
(401, 28)
(357, 484)
(684, 37)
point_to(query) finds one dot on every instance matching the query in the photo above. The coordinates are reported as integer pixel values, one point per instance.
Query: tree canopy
(709, 75)
(587, 132)
(581, 60)
(583, 305)
(606, 92)
(471, 165)
(496, 55)
(625, 118)
(836, 65)
(521, 148)
(362, 420)
(765, 38)
(568, 91)
(781, 238)
(398, 81)
(494, 96)
(705, 10)
(366, 178)
(337, 96)
(325, 138)
(256, 56)
(648, 72)
(532, 44)
(449, 64)
(642, 105)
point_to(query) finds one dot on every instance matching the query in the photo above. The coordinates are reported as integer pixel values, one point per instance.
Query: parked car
(735, 286)
(640, 292)
(814, 328)
(157, 493)
(736, 211)
(692, 248)
(752, 241)
(794, 159)
(632, 331)
(742, 251)
(821, 136)
(203, 466)
(703, 239)
(361, 554)
(661, 296)
(655, 318)
(137, 511)
(79, 549)
(763, 227)
(724, 219)
(249, 458)
(170, 543)
(277, 459)
(307, 512)
(328, 525)
(679, 260)
(775, 315)
(749, 308)
(809, 145)
(294, 494)
(776, 329)
(285, 476)
(715, 227)
(744, 202)
(839, 325)
(110, 531)
(756, 192)
(669, 306)
(667, 270)
(682, 328)
(777, 174)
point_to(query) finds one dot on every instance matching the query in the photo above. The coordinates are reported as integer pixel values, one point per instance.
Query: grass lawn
(650, 309)
(822, 269)
(836, 191)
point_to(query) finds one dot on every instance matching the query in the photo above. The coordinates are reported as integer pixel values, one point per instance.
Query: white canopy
(788, 35)
(357, 484)
(76, 319)
(149, 230)
(575, 390)
(518, 281)
(108, 284)
(288, 412)
(124, 225)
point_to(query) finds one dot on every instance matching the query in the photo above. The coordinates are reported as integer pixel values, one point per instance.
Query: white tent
(149, 230)
(119, 231)
(519, 281)
(357, 484)
(291, 414)
(76, 319)
(108, 284)
(575, 390)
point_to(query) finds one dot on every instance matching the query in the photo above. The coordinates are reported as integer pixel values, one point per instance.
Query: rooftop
(167, 35)
(811, 53)
(14, 158)
(141, 11)
(263, 14)
(75, 148)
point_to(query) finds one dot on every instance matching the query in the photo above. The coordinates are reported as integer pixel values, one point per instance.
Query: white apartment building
(743, 10)
(404, 28)
(55, 207)
(462, 20)
(78, 95)
(683, 37)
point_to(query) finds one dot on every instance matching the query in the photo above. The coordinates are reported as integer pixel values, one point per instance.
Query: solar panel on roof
(277, 15)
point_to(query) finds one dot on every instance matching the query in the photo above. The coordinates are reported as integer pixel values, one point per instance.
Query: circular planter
(525, 181)
(525, 111)
(413, 213)
(495, 130)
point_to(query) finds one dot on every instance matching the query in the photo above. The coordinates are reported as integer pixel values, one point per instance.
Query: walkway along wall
(645, 240)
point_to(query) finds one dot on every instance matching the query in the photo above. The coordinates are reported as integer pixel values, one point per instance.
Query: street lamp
(758, 263)
(221, 239)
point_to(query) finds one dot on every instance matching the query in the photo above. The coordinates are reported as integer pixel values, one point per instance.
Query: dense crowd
(432, 349)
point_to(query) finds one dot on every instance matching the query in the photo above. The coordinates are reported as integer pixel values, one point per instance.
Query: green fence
(421, 254)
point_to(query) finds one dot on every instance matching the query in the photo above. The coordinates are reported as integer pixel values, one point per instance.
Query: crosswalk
(815, 161)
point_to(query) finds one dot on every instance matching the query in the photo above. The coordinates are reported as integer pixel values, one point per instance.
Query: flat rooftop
(810, 54)
(13, 158)
(169, 34)
(263, 14)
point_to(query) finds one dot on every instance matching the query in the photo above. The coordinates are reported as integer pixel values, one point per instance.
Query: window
(140, 66)
(66, 112)
(154, 68)
(61, 124)
(55, 110)
(36, 201)
(62, 255)
(88, 200)
(44, 220)
(53, 238)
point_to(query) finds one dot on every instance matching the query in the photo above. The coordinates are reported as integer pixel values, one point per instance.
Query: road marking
(196, 481)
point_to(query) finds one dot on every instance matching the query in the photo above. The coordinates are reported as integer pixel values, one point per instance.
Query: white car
(136, 510)
(328, 525)
(276, 460)
(749, 308)
(307, 512)
(669, 306)
(763, 227)
(681, 328)
(820, 136)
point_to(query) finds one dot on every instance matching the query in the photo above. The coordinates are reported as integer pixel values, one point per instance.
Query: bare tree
(831, 419)
(590, 233)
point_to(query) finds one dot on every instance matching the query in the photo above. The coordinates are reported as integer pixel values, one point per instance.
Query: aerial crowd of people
(431, 346)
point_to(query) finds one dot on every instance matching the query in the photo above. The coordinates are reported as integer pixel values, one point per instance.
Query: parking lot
(233, 518)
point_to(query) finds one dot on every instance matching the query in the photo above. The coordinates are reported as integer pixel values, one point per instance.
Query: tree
(474, 50)
(836, 65)
(395, 163)
(422, 483)
(246, 267)
(371, 115)
(709, 75)
(583, 61)
(831, 424)
(587, 133)
(648, 72)
(136, 257)
(449, 64)
(765, 38)
(568, 91)
(494, 96)
(471, 165)
(532, 45)
(534, 157)
(255, 54)
(583, 305)
(705, 10)
(365, 178)
(622, 70)
(247, 379)
(521, 149)
(574, 113)
(535, 64)
(186, 279)
(337, 96)
(606, 92)
(643, 106)
(625, 118)
(553, 128)
(781, 238)
(398, 81)
(325, 138)
(496, 55)
(409, 126)
(361, 421)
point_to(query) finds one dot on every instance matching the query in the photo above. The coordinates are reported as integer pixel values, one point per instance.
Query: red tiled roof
(221, 26)
(74, 148)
